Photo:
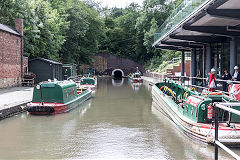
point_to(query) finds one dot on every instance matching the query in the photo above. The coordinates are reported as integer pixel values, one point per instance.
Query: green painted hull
(56, 97)
(203, 132)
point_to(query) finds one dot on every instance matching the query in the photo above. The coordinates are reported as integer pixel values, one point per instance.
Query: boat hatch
(48, 85)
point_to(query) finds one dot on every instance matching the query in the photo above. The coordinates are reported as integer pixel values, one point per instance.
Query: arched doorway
(117, 73)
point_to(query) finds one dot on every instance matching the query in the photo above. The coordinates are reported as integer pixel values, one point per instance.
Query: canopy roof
(210, 21)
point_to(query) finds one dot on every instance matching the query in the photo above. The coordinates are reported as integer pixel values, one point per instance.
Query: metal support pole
(209, 64)
(233, 54)
(193, 66)
(216, 132)
(182, 66)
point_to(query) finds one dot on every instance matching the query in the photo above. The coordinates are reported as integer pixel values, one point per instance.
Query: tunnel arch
(117, 73)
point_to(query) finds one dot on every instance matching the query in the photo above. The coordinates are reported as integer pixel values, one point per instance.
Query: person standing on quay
(226, 76)
(236, 75)
(212, 81)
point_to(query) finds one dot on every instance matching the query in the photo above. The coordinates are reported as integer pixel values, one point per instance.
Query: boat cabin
(55, 92)
(87, 81)
(136, 75)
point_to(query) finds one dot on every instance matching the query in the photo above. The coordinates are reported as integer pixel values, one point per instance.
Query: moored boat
(193, 113)
(135, 77)
(88, 83)
(54, 97)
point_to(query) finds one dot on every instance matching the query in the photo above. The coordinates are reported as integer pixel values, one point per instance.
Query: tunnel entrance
(117, 73)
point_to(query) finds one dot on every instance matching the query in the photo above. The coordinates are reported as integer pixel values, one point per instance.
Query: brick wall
(177, 69)
(122, 63)
(107, 62)
(10, 59)
(100, 63)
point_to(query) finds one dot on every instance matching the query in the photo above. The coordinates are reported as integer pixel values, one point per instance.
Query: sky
(118, 3)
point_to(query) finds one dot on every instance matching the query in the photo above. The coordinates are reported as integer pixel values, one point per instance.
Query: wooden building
(45, 69)
(69, 70)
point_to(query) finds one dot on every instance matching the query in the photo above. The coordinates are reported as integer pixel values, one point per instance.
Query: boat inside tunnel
(117, 73)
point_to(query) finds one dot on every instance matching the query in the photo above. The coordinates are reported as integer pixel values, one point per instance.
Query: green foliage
(83, 36)
(160, 62)
(71, 31)
(43, 26)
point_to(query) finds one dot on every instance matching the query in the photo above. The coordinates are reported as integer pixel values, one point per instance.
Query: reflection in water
(117, 82)
(116, 123)
(136, 86)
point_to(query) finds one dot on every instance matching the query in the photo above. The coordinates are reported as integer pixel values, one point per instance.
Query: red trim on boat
(221, 127)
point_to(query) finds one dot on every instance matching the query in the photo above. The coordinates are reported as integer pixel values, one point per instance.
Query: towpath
(150, 80)
(13, 100)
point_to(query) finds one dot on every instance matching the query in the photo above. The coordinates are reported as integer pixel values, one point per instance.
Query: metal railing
(217, 142)
(201, 83)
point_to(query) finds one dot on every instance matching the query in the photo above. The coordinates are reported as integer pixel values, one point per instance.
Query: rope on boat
(169, 90)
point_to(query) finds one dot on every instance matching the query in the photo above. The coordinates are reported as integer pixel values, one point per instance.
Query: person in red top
(212, 81)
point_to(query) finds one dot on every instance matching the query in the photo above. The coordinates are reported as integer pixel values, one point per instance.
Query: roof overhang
(215, 21)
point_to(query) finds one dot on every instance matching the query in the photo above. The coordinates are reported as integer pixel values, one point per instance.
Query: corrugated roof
(9, 29)
(46, 60)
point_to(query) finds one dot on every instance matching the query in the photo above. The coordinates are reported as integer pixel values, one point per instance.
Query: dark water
(118, 123)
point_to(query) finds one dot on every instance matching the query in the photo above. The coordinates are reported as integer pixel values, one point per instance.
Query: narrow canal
(119, 122)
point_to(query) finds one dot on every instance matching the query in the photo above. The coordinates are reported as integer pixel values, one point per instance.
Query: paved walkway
(151, 80)
(15, 96)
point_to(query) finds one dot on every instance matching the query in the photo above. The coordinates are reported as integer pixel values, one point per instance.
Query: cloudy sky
(118, 3)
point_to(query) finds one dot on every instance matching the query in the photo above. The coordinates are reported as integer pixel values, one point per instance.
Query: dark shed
(45, 69)
(69, 70)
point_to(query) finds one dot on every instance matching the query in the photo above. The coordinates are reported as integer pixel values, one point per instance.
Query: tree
(85, 31)
(43, 26)
(71, 31)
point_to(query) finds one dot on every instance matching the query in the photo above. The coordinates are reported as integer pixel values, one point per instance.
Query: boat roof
(62, 84)
(136, 73)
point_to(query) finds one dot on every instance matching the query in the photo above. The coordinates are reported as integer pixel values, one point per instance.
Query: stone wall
(122, 63)
(10, 59)
(100, 63)
(106, 63)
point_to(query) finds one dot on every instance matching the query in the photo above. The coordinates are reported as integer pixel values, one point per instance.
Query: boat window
(192, 111)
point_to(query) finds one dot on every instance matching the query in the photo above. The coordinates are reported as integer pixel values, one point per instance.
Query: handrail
(183, 79)
(217, 142)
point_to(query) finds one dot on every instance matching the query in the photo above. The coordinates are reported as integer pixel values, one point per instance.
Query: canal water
(118, 123)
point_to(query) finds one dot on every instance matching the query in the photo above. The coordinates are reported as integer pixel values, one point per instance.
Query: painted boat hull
(37, 108)
(203, 132)
(135, 80)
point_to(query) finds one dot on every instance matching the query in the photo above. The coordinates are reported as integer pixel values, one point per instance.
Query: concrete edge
(11, 111)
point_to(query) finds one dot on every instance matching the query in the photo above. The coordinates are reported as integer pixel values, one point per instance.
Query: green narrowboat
(192, 111)
(135, 77)
(88, 83)
(54, 97)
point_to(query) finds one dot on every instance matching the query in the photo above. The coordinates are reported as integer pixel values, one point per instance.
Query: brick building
(11, 54)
